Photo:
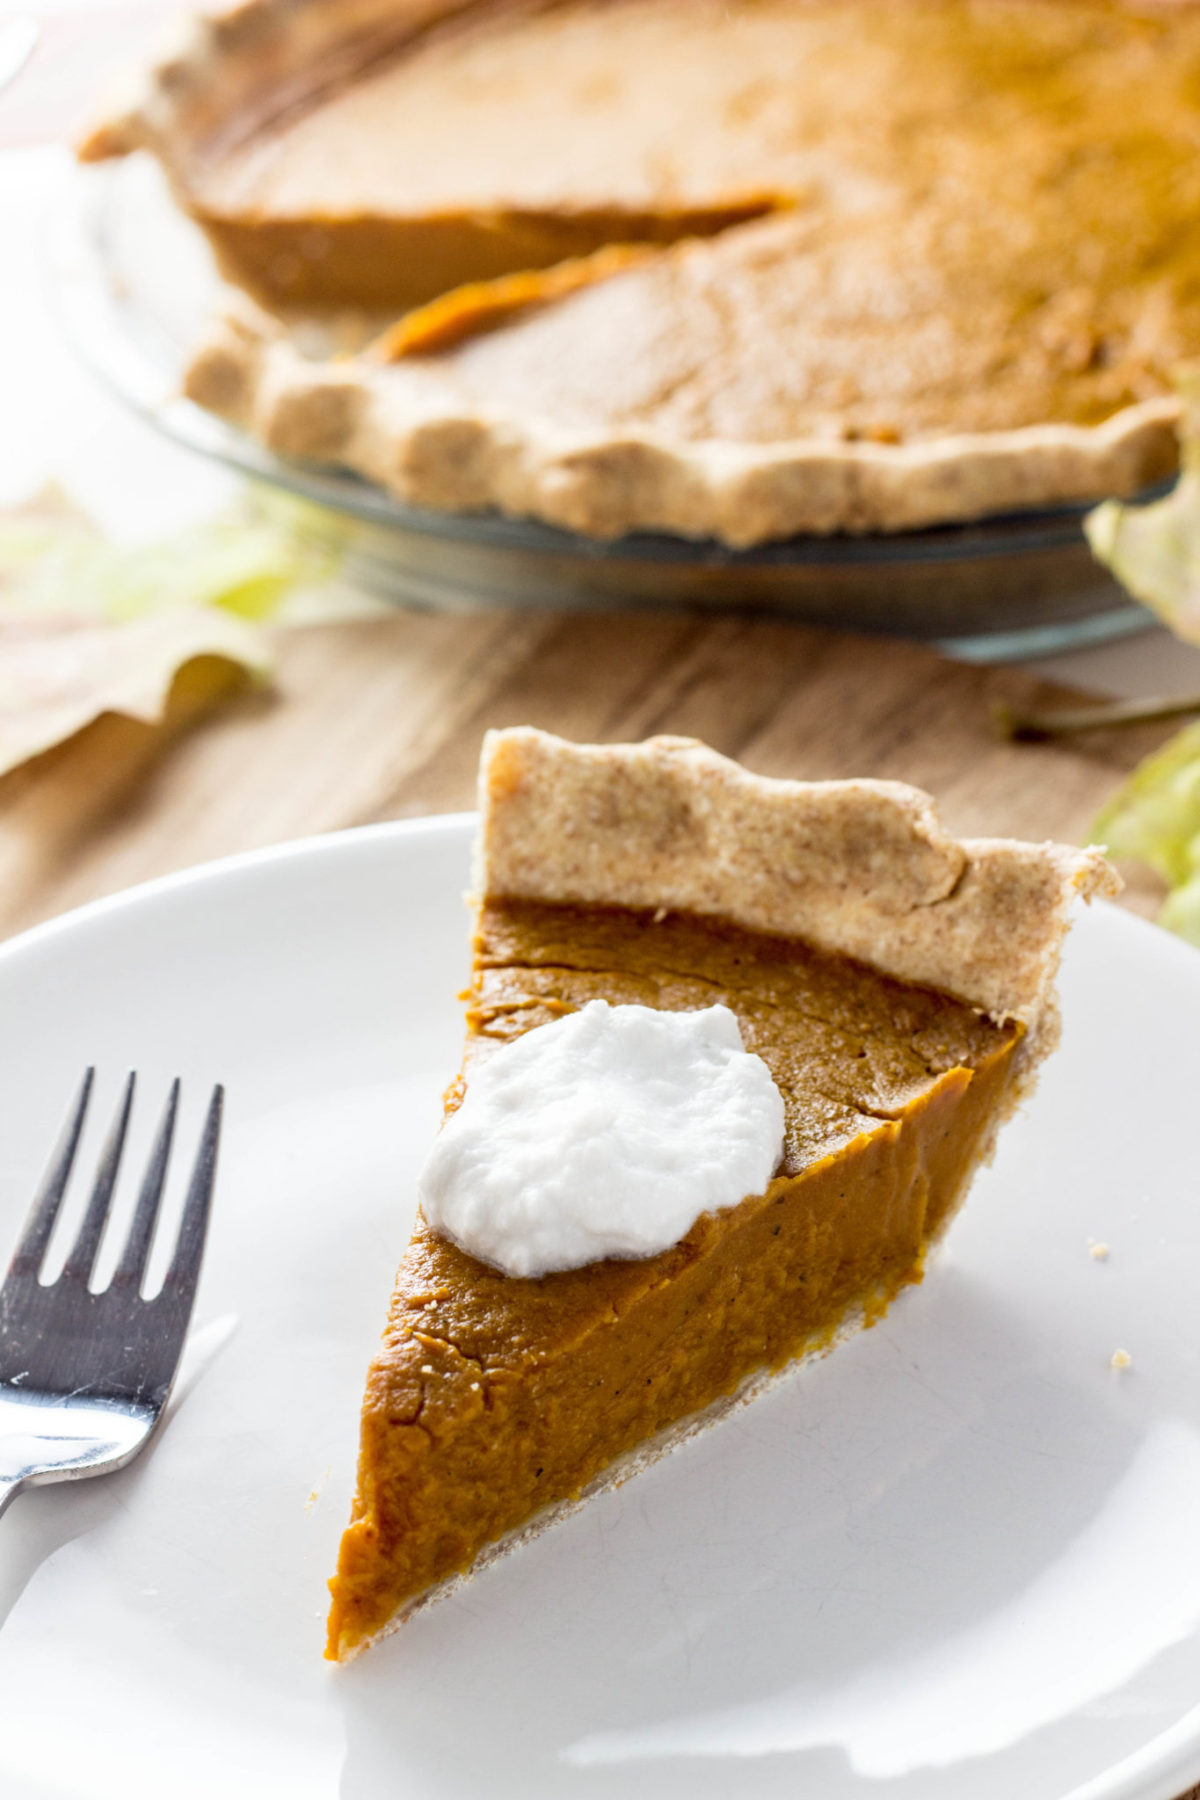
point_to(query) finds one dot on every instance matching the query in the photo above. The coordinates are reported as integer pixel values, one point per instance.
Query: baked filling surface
(729, 269)
(492, 1398)
(1004, 241)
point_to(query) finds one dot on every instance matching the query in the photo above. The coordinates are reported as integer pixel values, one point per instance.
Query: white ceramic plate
(957, 1560)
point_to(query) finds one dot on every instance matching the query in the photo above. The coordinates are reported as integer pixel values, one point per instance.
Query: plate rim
(214, 868)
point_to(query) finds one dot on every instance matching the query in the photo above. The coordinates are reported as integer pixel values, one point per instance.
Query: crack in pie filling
(808, 291)
(899, 987)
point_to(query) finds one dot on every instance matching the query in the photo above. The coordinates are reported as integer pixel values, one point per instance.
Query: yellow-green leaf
(1154, 550)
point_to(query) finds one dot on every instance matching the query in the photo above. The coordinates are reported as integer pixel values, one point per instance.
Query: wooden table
(382, 719)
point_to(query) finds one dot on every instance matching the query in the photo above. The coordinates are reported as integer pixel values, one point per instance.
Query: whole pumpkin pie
(899, 987)
(734, 270)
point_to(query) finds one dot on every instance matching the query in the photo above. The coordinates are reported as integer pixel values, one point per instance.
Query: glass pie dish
(132, 280)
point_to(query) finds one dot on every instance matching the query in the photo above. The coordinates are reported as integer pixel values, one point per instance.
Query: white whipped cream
(605, 1133)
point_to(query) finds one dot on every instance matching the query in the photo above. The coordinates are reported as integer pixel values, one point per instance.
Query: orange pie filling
(492, 1399)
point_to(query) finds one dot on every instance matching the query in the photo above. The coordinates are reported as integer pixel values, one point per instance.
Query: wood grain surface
(382, 719)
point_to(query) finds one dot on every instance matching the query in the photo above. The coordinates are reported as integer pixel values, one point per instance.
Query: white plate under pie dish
(954, 1560)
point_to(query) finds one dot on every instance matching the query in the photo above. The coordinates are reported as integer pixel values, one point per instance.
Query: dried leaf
(1154, 817)
(1154, 550)
(88, 627)
(56, 676)
(247, 561)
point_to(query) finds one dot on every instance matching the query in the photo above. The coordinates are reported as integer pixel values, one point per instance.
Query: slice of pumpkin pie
(735, 1048)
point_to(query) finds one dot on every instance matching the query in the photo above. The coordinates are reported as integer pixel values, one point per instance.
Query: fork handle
(10, 1487)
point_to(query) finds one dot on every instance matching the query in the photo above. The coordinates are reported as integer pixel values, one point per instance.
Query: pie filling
(1004, 242)
(388, 265)
(493, 1398)
(481, 305)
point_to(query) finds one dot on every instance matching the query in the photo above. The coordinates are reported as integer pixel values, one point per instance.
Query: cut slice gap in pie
(379, 153)
(480, 306)
(898, 984)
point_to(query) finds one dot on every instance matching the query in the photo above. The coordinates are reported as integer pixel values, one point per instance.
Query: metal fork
(84, 1376)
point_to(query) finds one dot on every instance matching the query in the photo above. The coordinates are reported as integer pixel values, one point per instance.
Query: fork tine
(83, 1253)
(27, 1259)
(184, 1272)
(132, 1267)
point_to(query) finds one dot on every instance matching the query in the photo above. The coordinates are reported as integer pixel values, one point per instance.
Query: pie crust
(643, 844)
(459, 432)
(414, 432)
(861, 868)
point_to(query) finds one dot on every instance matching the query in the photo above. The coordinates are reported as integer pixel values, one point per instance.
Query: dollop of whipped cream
(604, 1133)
